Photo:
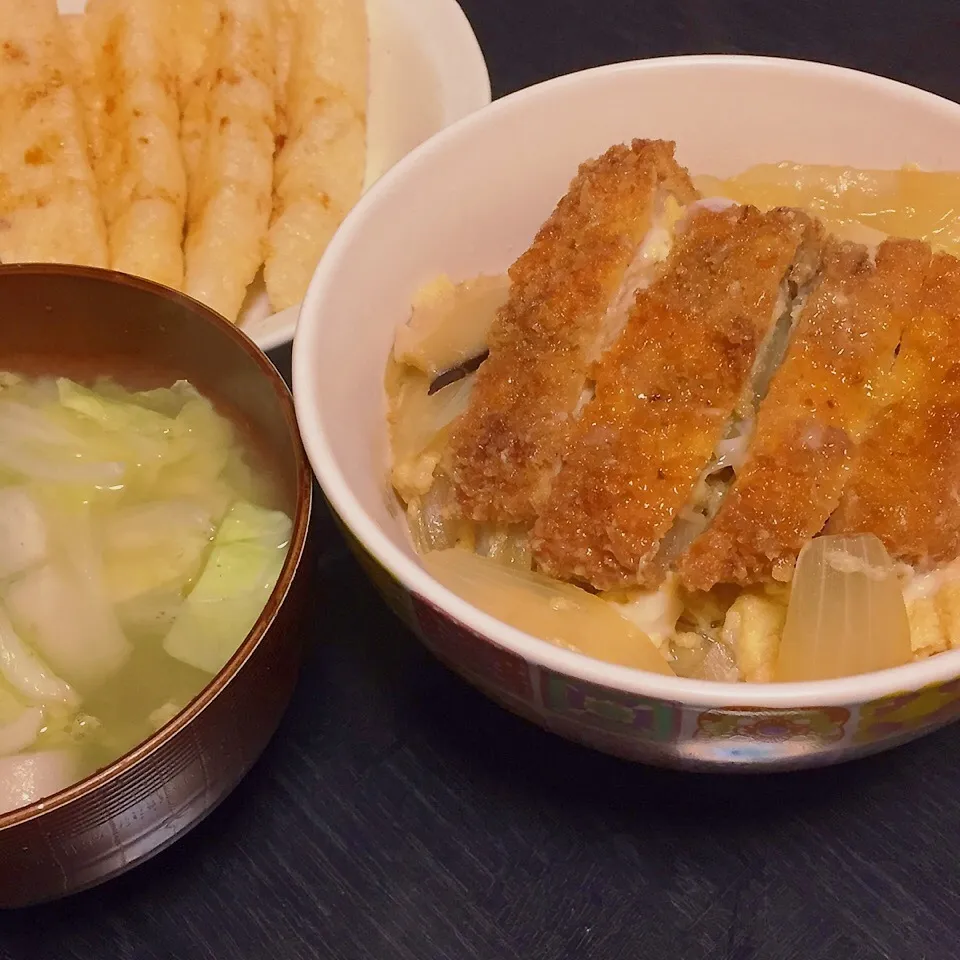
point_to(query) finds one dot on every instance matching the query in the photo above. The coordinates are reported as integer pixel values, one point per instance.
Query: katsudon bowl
(469, 202)
(85, 324)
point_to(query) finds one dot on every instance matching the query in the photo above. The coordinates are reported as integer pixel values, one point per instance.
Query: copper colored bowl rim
(301, 522)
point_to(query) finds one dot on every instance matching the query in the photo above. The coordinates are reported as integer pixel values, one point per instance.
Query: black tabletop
(398, 814)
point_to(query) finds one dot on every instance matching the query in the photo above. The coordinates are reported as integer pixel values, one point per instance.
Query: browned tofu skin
(665, 392)
(819, 405)
(506, 449)
(906, 482)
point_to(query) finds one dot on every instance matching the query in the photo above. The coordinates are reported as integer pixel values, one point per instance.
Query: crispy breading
(320, 168)
(139, 169)
(507, 448)
(905, 487)
(229, 189)
(820, 403)
(665, 392)
(49, 207)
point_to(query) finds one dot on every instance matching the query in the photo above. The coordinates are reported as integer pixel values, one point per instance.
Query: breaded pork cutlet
(820, 403)
(506, 450)
(691, 352)
(906, 484)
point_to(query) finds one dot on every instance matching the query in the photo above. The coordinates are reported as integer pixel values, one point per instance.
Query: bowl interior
(471, 199)
(84, 322)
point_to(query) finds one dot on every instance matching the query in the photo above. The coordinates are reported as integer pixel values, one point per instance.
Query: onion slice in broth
(846, 614)
(558, 612)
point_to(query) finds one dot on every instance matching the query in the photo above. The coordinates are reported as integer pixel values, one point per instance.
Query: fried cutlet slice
(692, 351)
(560, 312)
(820, 403)
(905, 487)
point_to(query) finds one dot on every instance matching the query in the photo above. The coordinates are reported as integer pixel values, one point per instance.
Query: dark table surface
(398, 814)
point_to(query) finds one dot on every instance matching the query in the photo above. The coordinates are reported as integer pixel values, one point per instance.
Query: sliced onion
(687, 653)
(846, 614)
(420, 428)
(718, 665)
(708, 493)
(509, 545)
(450, 323)
(687, 526)
(419, 417)
(434, 519)
(732, 450)
(557, 612)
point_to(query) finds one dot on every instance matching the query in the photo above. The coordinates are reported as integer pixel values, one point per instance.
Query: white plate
(426, 71)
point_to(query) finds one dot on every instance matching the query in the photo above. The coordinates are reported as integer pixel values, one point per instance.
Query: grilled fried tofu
(230, 111)
(694, 349)
(49, 209)
(86, 82)
(565, 299)
(906, 483)
(818, 407)
(322, 137)
(139, 168)
(196, 22)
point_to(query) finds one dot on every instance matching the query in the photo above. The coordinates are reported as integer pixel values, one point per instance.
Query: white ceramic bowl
(470, 200)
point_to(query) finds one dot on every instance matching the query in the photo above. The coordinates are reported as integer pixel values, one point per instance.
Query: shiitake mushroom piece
(457, 373)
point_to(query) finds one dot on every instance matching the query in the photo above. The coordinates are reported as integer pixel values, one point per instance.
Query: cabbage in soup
(138, 546)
